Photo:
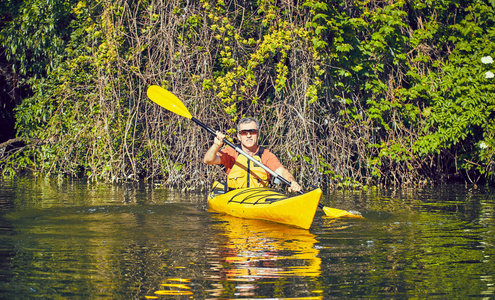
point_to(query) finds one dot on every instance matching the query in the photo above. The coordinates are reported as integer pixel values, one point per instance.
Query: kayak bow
(266, 204)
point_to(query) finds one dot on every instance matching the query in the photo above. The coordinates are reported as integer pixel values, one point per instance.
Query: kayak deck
(266, 204)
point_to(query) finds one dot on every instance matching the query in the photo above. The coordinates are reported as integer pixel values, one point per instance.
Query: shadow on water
(79, 240)
(377, 215)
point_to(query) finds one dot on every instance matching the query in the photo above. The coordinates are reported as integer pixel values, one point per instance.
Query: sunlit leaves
(37, 34)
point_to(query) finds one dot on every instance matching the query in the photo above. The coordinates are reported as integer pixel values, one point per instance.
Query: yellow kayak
(266, 204)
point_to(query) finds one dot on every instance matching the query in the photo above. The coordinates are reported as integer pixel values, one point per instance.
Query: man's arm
(211, 157)
(294, 186)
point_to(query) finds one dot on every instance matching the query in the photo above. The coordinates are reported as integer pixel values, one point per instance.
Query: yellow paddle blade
(167, 100)
(339, 213)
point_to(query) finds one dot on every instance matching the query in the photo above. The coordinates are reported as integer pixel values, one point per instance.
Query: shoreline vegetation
(349, 94)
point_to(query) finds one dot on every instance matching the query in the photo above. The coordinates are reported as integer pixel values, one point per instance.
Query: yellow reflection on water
(173, 287)
(251, 251)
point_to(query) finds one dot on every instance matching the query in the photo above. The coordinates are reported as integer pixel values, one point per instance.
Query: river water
(61, 240)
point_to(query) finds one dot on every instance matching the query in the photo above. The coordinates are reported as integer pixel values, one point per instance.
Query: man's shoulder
(266, 152)
(270, 160)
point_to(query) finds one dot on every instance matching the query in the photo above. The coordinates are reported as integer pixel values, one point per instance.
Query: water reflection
(80, 240)
(173, 287)
(252, 254)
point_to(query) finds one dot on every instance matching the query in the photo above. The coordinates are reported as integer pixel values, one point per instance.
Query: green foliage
(379, 91)
(37, 34)
(462, 96)
(235, 79)
(66, 110)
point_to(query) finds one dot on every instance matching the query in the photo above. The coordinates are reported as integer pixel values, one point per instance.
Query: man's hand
(294, 187)
(211, 157)
(219, 139)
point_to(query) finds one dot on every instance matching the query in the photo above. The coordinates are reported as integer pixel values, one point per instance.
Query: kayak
(263, 203)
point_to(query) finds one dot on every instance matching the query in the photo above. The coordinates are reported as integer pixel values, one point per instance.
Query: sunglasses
(250, 131)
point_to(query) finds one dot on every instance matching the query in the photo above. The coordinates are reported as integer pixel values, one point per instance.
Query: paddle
(170, 102)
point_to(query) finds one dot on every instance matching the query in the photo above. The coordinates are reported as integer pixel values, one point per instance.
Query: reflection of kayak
(263, 249)
(266, 204)
(252, 258)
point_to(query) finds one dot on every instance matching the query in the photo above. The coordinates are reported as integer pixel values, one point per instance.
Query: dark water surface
(89, 241)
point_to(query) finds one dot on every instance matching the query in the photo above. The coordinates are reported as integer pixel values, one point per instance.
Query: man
(241, 172)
